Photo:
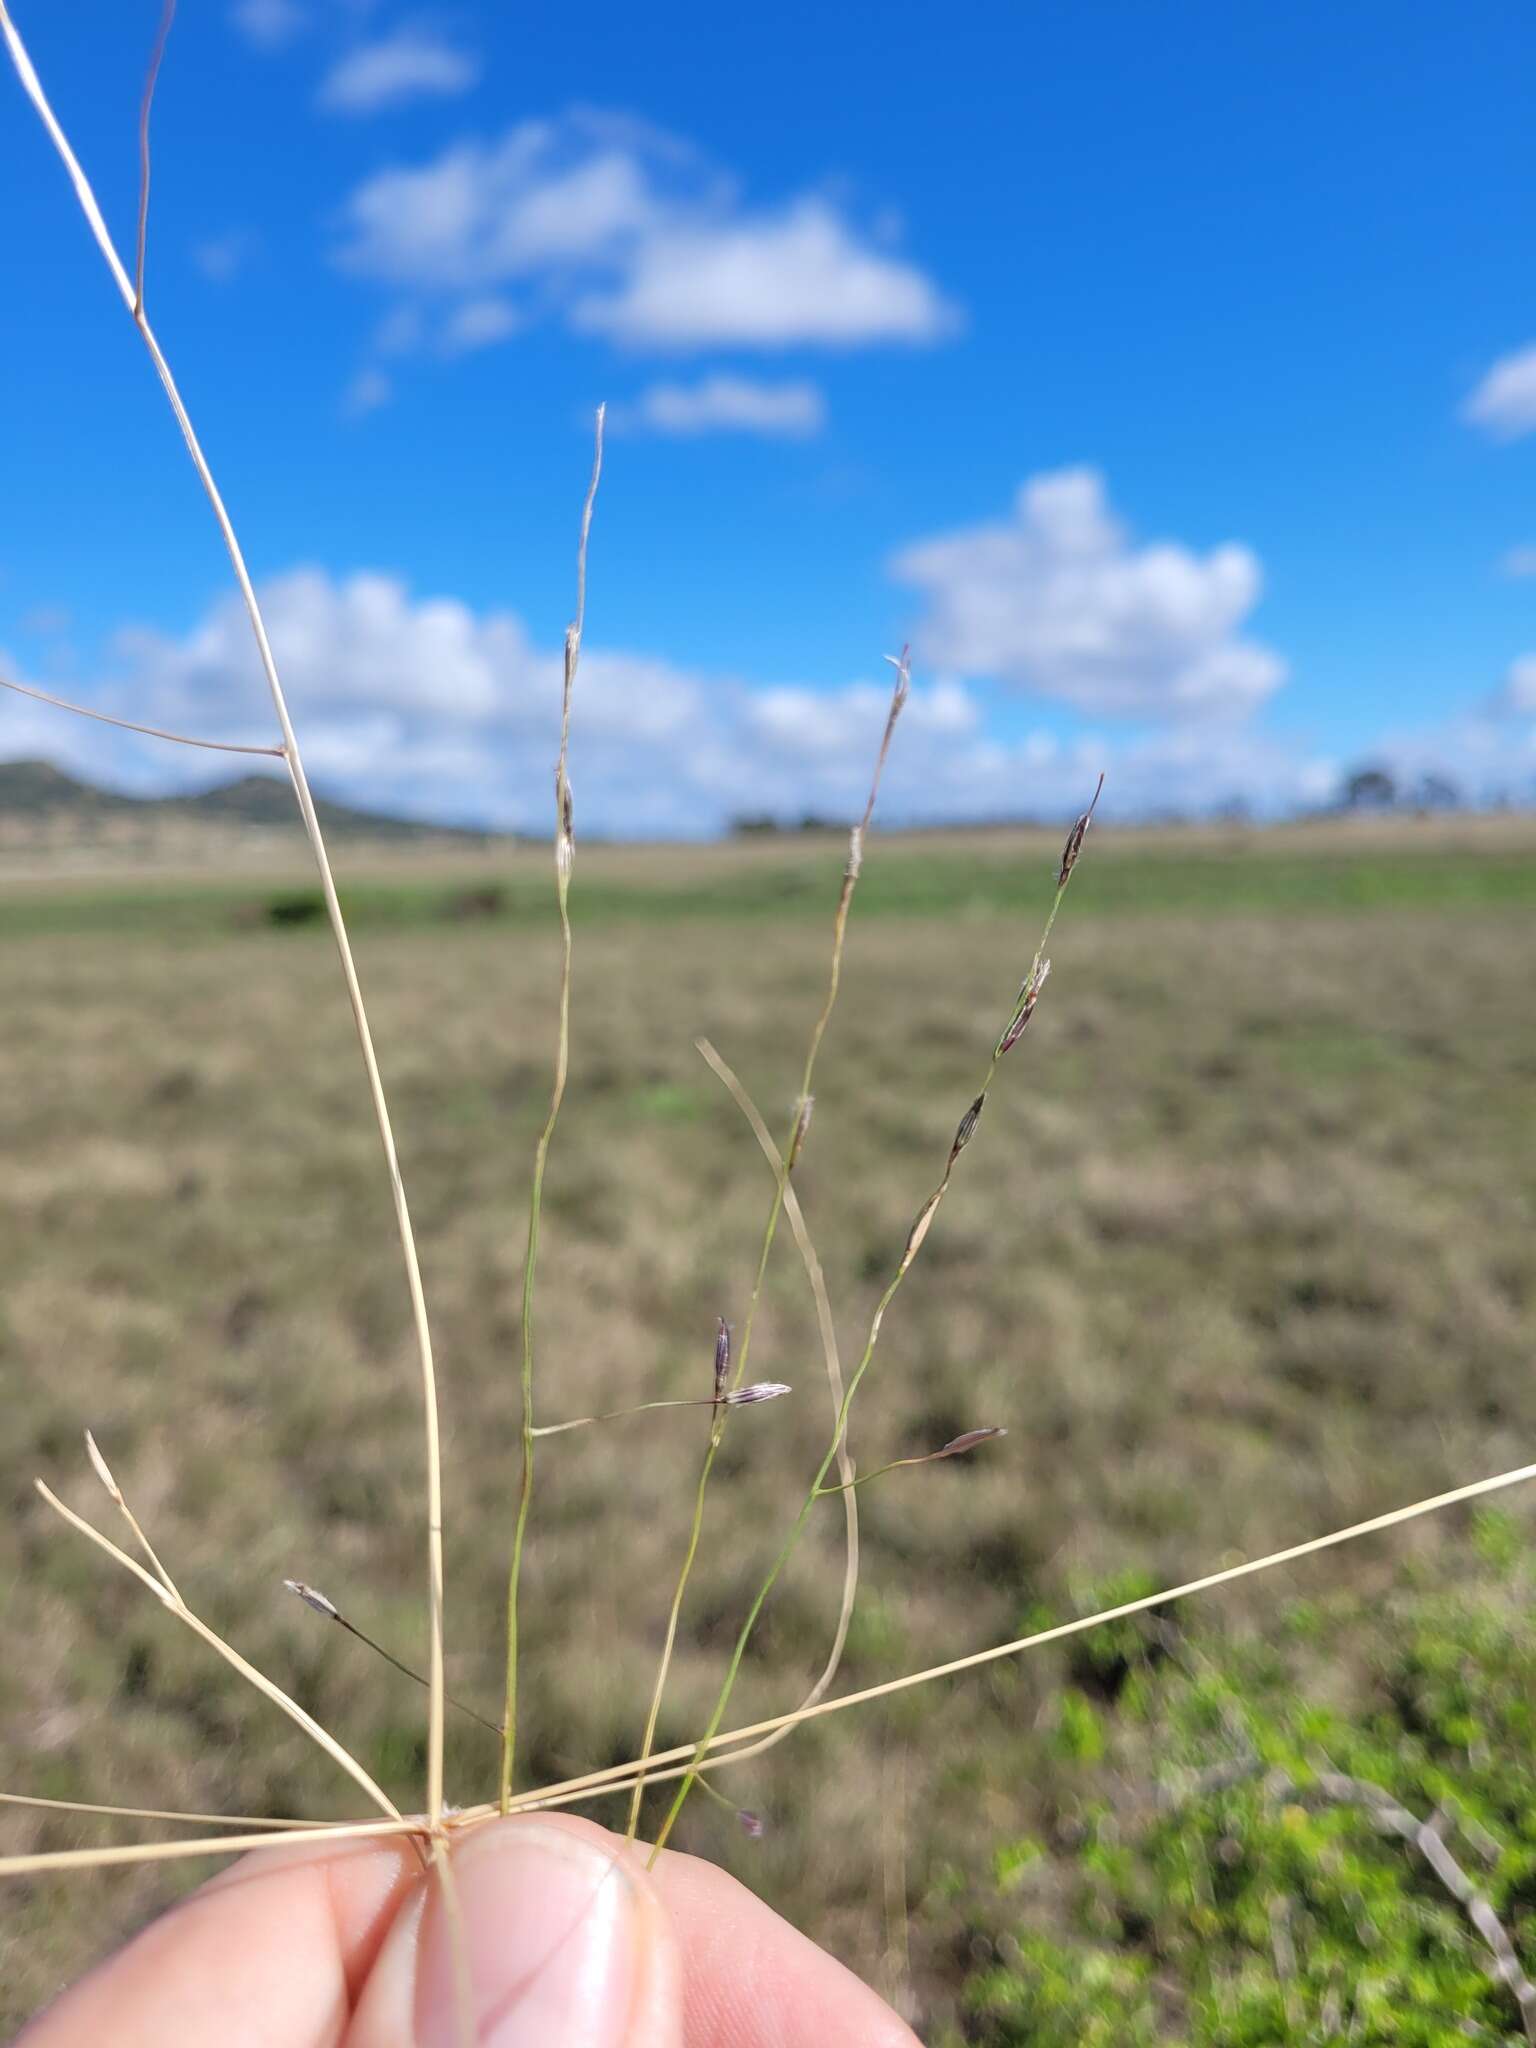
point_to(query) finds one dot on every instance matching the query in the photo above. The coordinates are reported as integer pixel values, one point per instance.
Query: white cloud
(1504, 402)
(411, 63)
(797, 278)
(1520, 561)
(429, 707)
(725, 404)
(369, 389)
(1518, 696)
(1056, 601)
(624, 231)
(426, 706)
(269, 24)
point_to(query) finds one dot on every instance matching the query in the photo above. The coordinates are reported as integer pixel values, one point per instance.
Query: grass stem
(89, 206)
(1023, 1010)
(789, 1156)
(565, 850)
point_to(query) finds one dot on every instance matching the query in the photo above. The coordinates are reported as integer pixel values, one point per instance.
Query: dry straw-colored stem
(114, 1492)
(128, 292)
(146, 107)
(210, 1845)
(465, 2025)
(211, 1820)
(787, 1158)
(727, 1746)
(177, 1606)
(617, 1777)
(154, 732)
(565, 853)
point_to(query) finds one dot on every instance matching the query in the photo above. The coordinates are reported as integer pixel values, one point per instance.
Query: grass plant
(716, 1746)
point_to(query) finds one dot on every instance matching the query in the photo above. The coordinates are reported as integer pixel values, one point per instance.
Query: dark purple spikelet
(760, 1390)
(967, 1129)
(753, 1826)
(722, 1357)
(1075, 838)
(968, 1440)
(1029, 995)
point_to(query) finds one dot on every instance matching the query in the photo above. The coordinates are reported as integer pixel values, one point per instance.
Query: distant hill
(36, 797)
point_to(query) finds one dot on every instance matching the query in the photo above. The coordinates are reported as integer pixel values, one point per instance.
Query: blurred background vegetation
(1243, 1251)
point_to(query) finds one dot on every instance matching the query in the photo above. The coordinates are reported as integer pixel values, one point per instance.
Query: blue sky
(1168, 376)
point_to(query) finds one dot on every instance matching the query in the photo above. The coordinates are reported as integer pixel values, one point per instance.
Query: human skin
(560, 1939)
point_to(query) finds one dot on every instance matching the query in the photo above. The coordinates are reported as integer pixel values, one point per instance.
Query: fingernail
(549, 1945)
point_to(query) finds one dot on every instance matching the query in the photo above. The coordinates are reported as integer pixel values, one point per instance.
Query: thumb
(547, 1934)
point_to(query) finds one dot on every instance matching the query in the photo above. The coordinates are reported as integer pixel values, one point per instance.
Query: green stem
(788, 1157)
(786, 1551)
(565, 848)
(530, 1266)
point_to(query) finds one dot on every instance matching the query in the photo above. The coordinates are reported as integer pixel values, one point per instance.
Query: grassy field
(1242, 1251)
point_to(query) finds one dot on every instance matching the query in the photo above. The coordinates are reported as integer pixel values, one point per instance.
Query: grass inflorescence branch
(565, 855)
(789, 1157)
(1023, 1010)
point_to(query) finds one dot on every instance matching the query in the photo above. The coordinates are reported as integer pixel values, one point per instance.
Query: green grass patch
(906, 880)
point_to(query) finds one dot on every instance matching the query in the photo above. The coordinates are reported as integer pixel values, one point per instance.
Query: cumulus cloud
(725, 404)
(1057, 601)
(411, 63)
(1504, 400)
(797, 278)
(425, 706)
(625, 231)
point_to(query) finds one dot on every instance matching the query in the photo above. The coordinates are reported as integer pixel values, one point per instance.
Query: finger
(753, 1981)
(546, 1934)
(271, 1954)
(560, 1923)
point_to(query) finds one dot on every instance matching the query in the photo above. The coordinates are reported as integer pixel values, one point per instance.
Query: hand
(568, 1943)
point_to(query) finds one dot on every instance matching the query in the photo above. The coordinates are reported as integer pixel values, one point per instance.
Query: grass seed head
(753, 1826)
(565, 843)
(802, 1127)
(968, 1440)
(312, 1597)
(903, 690)
(722, 1357)
(921, 1227)
(1075, 838)
(967, 1129)
(102, 1469)
(762, 1390)
(1029, 995)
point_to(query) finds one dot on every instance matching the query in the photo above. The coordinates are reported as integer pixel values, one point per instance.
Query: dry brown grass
(1248, 1251)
